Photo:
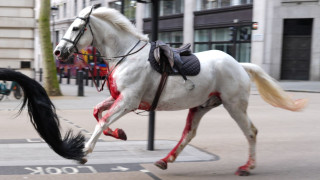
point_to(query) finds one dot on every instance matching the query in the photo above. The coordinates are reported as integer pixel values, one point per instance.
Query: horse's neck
(111, 41)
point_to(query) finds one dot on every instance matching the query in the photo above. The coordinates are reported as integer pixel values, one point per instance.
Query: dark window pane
(202, 36)
(225, 3)
(227, 48)
(176, 37)
(221, 34)
(243, 52)
(201, 47)
(168, 7)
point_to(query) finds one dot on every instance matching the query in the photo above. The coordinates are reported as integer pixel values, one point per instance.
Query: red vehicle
(89, 59)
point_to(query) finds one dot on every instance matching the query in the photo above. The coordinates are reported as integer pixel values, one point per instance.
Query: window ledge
(172, 16)
(223, 9)
(298, 1)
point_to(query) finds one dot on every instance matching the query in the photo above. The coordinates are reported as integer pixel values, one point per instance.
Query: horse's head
(78, 36)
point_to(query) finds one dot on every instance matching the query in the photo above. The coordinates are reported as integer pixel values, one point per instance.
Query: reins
(123, 57)
(76, 40)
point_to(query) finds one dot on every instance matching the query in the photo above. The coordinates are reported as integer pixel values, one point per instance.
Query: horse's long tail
(270, 91)
(44, 118)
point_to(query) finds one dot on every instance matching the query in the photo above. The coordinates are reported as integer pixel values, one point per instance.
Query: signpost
(152, 114)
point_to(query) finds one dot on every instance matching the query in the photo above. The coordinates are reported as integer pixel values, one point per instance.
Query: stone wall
(17, 34)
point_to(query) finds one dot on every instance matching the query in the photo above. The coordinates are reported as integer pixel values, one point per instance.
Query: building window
(212, 4)
(64, 10)
(220, 39)
(25, 64)
(56, 13)
(169, 7)
(115, 5)
(57, 37)
(75, 7)
(84, 4)
(129, 8)
(173, 38)
(166, 7)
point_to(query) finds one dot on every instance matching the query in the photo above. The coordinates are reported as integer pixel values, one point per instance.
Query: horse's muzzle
(62, 54)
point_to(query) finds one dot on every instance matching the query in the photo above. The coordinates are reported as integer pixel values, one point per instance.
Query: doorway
(296, 49)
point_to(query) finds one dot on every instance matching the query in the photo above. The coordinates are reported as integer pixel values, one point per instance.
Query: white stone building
(286, 43)
(288, 39)
(17, 35)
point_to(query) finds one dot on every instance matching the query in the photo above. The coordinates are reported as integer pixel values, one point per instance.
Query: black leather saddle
(172, 61)
(180, 61)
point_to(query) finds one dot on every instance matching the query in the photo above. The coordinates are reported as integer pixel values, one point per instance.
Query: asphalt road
(288, 143)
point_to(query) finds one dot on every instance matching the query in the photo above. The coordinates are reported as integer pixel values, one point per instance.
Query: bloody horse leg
(120, 107)
(193, 119)
(239, 114)
(244, 170)
(117, 133)
(97, 113)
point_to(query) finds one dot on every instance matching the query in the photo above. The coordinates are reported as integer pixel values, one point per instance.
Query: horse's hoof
(83, 161)
(161, 164)
(122, 135)
(242, 172)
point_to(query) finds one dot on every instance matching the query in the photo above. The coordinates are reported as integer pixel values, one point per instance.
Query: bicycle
(15, 87)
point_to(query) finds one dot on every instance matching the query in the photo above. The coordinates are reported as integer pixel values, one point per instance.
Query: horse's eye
(75, 29)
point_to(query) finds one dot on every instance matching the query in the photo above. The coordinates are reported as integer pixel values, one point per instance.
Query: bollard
(77, 70)
(87, 76)
(34, 73)
(40, 71)
(92, 79)
(69, 75)
(80, 83)
(98, 76)
(61, 74)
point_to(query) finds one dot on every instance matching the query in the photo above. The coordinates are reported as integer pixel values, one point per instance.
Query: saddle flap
(166, 50)
(156, 54)
(184, 50)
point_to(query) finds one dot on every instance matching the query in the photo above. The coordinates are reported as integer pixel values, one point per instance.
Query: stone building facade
(17, 35)
(286, 43)
(288, 39)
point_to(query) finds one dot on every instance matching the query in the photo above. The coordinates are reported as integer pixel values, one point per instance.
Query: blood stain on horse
(111, 110)
(215, 93)
(113, 86)
(173, 154)
(144, 105)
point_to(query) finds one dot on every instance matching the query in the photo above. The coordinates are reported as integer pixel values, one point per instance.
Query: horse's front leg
(120, 107)
(97, 113)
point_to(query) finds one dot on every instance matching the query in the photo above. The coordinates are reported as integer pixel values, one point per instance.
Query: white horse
(133, 82)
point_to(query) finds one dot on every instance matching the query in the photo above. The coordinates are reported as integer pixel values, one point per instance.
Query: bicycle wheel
(2, 89)
(17, 91)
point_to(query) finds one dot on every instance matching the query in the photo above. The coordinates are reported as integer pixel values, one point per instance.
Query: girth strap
(164, 77)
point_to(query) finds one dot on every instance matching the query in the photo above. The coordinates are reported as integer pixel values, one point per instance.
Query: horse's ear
(95, 6)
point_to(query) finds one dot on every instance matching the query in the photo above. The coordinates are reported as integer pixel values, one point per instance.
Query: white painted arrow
(120, 168)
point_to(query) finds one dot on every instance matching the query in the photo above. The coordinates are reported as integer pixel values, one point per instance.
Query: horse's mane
(116, 18)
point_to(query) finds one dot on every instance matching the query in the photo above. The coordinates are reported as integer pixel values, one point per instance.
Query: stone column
(139, 16)
(188, 30)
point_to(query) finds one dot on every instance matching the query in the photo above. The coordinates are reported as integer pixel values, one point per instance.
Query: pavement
(288, 142)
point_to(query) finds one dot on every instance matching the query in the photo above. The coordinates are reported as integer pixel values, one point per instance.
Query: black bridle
(81, 31)
(84, 28)
(79, 35)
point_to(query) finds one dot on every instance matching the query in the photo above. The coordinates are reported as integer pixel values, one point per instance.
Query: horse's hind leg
(193, 119)
(97, 113)
(238, 111)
